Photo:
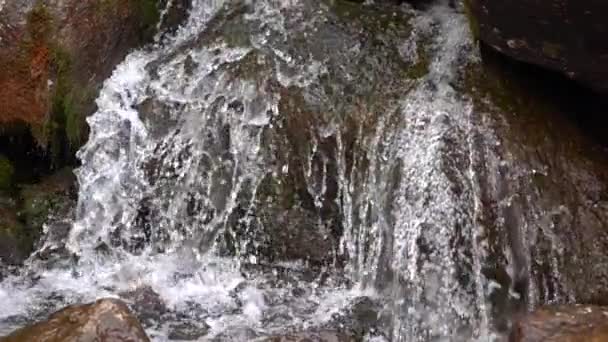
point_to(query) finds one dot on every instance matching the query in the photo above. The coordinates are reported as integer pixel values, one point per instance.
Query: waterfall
(261, 126)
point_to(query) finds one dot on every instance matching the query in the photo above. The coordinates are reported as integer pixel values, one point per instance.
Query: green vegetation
(150, 16)
(6, 173)
(473, 23)
(39, 23)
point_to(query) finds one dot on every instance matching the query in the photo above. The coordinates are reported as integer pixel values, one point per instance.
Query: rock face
(24, 212)
(562, 324)
(107, 320)
(568, 36)
(55, 54)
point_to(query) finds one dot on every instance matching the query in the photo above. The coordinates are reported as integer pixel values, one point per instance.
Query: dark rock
(7, 172)
(146, 303)
(568, 36)
(236, 334)
(106, 320)
(565, 323)
(13, 240)
(543, 187)
(188, 331)
(310, 336)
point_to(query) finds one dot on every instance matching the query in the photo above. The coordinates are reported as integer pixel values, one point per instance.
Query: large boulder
(55, 54)
(568, 36)
(563, 324)
(106, 320)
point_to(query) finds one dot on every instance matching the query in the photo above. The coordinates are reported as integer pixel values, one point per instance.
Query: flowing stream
(276, 166)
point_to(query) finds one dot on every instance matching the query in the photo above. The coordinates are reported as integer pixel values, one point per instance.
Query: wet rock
(563, 35)
(25, 212)
(188, 331)
(106, 320)
(146, 303)
(543, 184)
(176, 14)
(320, 336)
(56, 54)
(13, 240)
(236, 334)
(7, 172)
(565, 323)
(359, 319)
(52, 196)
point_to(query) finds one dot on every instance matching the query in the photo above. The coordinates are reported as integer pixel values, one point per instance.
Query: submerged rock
(187, 331)
(24, 213)
(13, 238)
(107, 320)
(318, 336)
(7, 172)
(147, 304)
(568, 36)
(564, 323)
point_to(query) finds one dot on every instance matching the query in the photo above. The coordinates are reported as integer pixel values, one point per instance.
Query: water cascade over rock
(278, 166)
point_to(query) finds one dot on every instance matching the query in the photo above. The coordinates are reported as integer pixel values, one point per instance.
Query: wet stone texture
(568, 36)
(107, 320)
(543, 188)
(563, 323)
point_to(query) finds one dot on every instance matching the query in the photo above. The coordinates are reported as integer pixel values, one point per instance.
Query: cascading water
(264, 125)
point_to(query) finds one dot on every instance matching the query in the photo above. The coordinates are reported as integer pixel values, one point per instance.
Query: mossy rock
(51, 196)
(7, 172)
(15, 244)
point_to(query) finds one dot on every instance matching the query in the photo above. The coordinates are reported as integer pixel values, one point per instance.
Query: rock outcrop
(107, 320)
(55, 54)
(566, 323)
(25, 211)
(568, 36)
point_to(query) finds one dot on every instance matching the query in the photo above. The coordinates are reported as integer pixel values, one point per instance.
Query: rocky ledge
(568, 36)
(106, 320)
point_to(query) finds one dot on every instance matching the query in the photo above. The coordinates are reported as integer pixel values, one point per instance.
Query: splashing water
(174, 187)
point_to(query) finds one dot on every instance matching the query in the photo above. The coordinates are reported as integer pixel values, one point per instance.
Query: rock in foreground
(567, 323)
(107, 320)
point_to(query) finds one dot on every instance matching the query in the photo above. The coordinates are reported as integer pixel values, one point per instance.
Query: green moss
(68, 101)
(149, 15)
(421, 67)
(473, 23)
(39, 22)
(373, 18)
(552, 50)
(6, 173)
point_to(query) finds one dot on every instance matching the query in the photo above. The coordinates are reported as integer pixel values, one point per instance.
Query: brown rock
(566, 323)
(568, 36)
(54, 56)
(107, 320)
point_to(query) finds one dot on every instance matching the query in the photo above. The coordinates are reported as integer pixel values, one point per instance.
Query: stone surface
(320, 336)
(543, 186)
(107, 320)
(566, 323)
(146, 303)
(568, 36)
(25, 211)
(13, 237)
(7, 172)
